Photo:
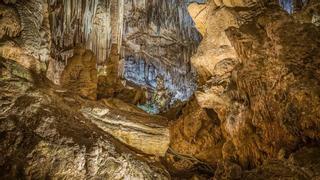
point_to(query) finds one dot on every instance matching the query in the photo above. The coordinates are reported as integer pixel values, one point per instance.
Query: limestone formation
(303, 164)
(153, 37)
(272, 86)
(148, 134)
(159, 40)
(20, 34)
(9, 22)
(309, 13)
(161, 95)
(196, 133)
(80, 74)
(215, 45)
(239, 97)
(265, 97)
(43, 135)
(109, 82)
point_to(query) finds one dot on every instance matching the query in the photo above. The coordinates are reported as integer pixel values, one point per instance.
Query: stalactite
(159, 35)
(165, 37)
(84, 22)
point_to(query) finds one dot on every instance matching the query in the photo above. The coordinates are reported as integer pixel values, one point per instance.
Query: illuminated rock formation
(251, 68)
(10, 22)
(153, 38)
(80, 74)
(44, 135)
(260, 96)
(148, 134)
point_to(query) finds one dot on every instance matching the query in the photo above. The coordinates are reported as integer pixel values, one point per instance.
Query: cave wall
(79, 22)
(25, 33)
(259, 66)
(159, 39)
(76, 21)
(157, 35)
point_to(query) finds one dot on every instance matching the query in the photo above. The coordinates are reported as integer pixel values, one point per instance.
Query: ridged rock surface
(215, 46)
(80, 74)
(198, 136)
(43, 135)
(148, 134)
(273, 93)
(266, 97)
(159, 39)
(153, 38)
(10, 22)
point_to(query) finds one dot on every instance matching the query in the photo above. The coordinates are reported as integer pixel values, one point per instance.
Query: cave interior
(160, 89)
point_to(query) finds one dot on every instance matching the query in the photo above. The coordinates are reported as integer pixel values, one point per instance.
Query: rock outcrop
(111, 85)
(273, 99)
(309, 13)
(152, 38)
(303, 164)
(20, 34)
(265, 94)
(215, 46)
(9, 22)
(80, 74)
(197, 134)
(148, 134)
(109, 82)
(43, 135)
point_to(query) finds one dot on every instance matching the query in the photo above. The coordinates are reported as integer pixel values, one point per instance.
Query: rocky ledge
(44, 134)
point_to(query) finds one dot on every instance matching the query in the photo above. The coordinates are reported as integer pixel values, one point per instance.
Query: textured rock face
(80, 74)
(9, 23)
(35, 38)
(303, 164)
(110, 85)
(275, 86)
(108, 77)
(255, 115)
(81, 21)
(44, 136)
(159, 39)
(265, 95)
(149, 134)
(235, 3)
(212, 19)
(153, 38)
(24, 33)
(309, 12)
(215, 45)
(197, 133)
